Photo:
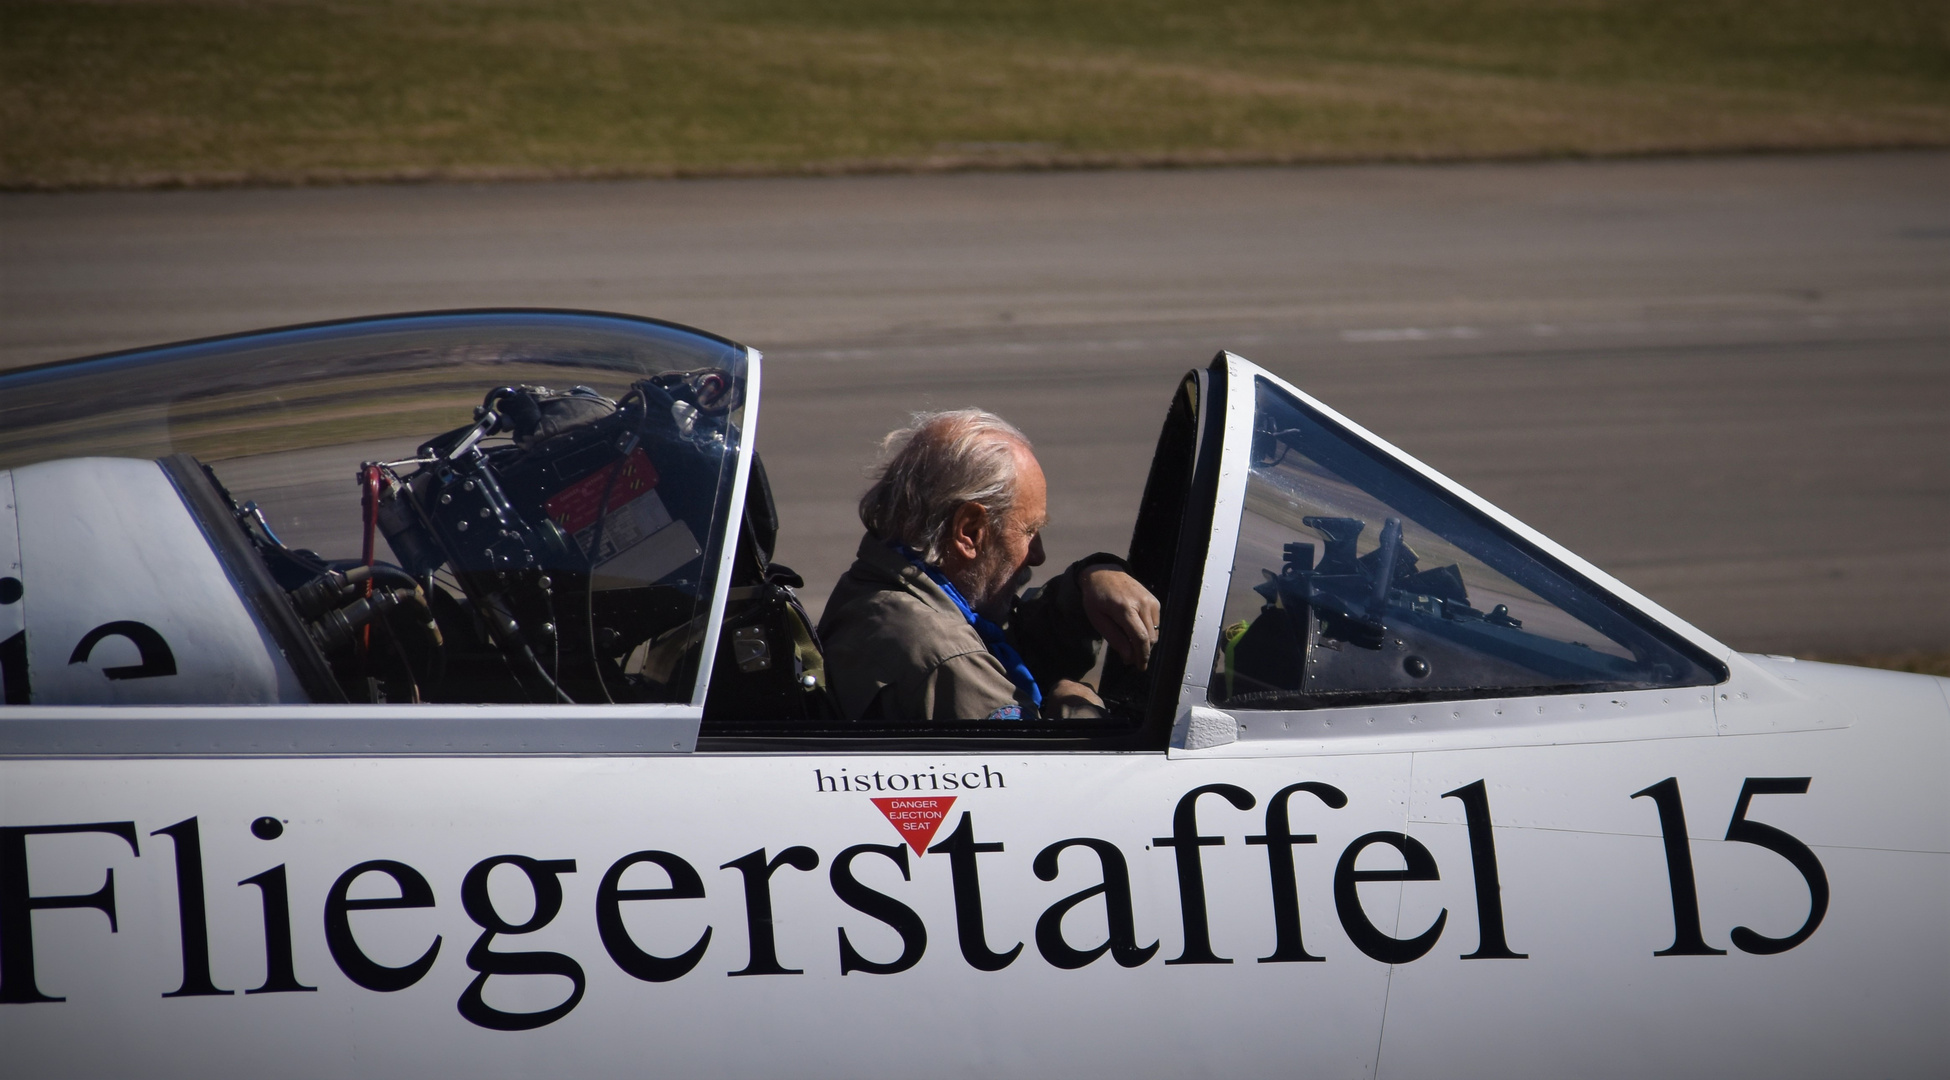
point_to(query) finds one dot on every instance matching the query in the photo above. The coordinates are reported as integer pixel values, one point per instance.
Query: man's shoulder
(889, 618)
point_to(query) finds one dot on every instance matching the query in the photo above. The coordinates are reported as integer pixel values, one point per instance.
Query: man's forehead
(1031, 485)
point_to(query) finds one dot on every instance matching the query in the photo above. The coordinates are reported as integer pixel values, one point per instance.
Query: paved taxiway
(1726, 381)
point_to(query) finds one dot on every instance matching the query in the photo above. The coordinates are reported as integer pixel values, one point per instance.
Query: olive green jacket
(896, 648)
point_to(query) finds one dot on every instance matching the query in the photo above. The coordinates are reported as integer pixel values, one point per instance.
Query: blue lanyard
(991, 634)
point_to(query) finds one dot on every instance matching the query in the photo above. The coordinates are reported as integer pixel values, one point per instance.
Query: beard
(993, 583)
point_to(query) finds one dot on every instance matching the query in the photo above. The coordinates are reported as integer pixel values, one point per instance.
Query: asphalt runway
(1726, 381)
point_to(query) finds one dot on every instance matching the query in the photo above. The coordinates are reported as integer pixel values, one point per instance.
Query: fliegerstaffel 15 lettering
(417, 696)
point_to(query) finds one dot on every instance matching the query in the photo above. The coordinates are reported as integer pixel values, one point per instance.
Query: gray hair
(943, 460)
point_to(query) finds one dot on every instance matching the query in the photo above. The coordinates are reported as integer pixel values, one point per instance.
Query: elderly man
(926, 625)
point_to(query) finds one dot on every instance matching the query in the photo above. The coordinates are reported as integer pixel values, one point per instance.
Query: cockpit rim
(49, 367)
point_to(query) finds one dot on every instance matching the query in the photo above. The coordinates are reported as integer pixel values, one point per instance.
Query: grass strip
(118, 93)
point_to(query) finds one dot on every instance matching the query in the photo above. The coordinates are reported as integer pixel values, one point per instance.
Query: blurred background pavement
(1725, 380)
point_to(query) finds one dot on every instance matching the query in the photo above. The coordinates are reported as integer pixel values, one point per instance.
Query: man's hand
(1073, 700)
(1123, 612)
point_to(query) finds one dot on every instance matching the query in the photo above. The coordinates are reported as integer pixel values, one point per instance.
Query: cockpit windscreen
(1356, 581)
(509, 507)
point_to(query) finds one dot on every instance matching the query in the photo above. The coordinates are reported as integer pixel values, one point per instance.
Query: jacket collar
(894, 569)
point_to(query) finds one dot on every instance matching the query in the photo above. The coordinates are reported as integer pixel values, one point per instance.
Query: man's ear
(968, 531)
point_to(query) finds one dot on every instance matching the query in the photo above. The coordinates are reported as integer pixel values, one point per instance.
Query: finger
(1147, 636)
(1149, 618)
(1072, 690)
(1103, 620)
(1136, 633)
(1107, 615)
(1121, 640)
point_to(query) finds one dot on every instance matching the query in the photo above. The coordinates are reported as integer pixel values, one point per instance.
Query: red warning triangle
(917, 818)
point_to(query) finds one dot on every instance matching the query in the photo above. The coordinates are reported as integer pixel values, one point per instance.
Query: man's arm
(971, 686)
(1121, 611)
(1057, 630)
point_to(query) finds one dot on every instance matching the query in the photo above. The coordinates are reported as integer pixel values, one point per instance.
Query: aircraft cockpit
(296, 517)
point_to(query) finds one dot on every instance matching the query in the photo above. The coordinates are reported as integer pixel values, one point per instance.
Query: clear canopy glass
(538, 500)
(1357, 581)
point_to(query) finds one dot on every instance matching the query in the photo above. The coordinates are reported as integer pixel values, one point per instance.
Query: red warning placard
(916, 818)
(576, 506)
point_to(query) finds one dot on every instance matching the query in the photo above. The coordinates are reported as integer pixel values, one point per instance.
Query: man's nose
(1036, 556)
